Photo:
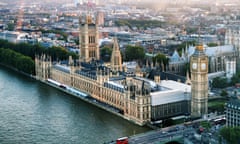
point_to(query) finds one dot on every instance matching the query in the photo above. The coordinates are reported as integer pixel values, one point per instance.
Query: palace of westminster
(137, 98)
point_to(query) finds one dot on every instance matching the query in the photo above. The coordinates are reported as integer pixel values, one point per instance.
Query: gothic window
(83, 39)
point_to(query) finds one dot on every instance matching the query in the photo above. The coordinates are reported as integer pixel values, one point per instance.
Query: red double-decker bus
(123, 140)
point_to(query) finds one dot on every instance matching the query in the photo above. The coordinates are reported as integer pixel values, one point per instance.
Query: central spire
(116, 59)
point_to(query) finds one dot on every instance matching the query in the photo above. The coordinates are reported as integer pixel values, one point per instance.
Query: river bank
(89, 100)
(33, 112)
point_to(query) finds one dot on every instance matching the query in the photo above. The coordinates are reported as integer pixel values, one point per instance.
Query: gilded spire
(199, 47)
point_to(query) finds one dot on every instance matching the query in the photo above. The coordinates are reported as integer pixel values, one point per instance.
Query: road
(160, 136)
(166, 134)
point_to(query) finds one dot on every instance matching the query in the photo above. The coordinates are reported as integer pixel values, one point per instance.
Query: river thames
(32, 112)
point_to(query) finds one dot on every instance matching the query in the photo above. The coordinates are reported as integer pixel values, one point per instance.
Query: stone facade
(133, 100)
(88, 39)
(125, 91)
(199, 82)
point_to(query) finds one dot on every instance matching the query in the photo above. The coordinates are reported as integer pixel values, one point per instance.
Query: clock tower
(199, 80)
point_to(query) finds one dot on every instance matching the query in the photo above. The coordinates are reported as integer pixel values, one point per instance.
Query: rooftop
(233, 104)
(170, 84)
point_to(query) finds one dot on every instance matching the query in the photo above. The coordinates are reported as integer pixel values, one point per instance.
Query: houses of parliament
(138, 99)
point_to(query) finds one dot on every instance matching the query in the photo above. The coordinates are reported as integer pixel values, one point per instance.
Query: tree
(161, 59)
(134, 53)
(105, 54)
(139, 23)
(206, 125)
(57, 53)
(231, 134)
(63, 34)
(184, 44)
(219, 82)
(224, 93)
(212, 44)
(234, 79)
(10, 26)
(17, 60)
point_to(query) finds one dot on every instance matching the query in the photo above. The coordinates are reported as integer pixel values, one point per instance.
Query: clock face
(194, 65)
(203, 66)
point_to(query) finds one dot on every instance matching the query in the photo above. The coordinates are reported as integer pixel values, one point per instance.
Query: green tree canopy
(219, 82)
(134, 53)
(231, 134)
(10, 26)
(57, 53)
(139, 23)
(224, 93)
(183, 45)
(105, 54)
(161, 59)
(212, 44)
(17, 60)
(206, 125)
(235, 78)
(63, 34)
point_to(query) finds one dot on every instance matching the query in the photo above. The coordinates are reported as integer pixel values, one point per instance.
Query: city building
(232, 37)
(232, 110)
(221, 58)
(88, 38)
(175, 100)
(14, 37)
(199, 82)
(136, 98)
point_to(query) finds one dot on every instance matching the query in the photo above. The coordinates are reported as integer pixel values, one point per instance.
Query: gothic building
(199, 82)
(221, 58)
(135, 98)
(88, 39)
(232, 37)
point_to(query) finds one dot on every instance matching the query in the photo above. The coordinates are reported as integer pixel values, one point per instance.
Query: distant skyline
(149, 1)
(143, 3)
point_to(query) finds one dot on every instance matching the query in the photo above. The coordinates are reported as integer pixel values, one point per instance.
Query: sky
(133, 1)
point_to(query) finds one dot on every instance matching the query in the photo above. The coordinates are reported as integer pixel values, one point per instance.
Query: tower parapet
(42, 67)
(88, 39)
(138, 101)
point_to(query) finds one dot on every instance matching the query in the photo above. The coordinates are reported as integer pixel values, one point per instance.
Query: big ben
(199, 80)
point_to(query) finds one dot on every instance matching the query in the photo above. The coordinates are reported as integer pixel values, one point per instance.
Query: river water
(32, 112)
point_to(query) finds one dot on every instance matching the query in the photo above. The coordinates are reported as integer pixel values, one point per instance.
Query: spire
(70, 61)
(182, 53)
(151, 64)
(186, 50)
(199, 47)
(163, 67)
(138, 71)
(147, 65)
(116, 59)
(188, 80)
